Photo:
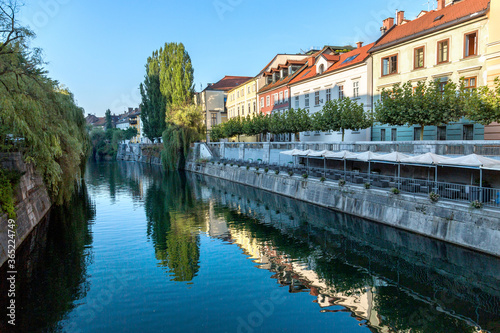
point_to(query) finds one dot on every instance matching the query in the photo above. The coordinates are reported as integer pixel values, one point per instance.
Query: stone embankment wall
(140, 153)
(477, 229)
(32, 198)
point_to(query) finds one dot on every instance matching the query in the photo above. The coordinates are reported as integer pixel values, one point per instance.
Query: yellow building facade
(242, 102)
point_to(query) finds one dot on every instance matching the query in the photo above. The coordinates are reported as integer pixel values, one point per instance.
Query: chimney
(388, 23)
(310, 61)
(441, 4)
(400, 17)
(359, 44)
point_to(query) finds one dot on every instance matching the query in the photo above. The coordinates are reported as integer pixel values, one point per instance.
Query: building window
(281, 97)
(249, 110)
(248, 90)
(441, 133)
(416, 133)
(306, 100)
(242, 92)
(328, 94)
(297, 102)
(261, 102)
(254, 107)
(341, 92)
(468, 132)
(321, 68)
(316, 98)
(394, 134)
(418, 61)
(470, 44)
(237, 94)
(443, 51)
(286, 96)
(382, 134)
(442, 85)
(355, 89)
(470, 82)
(268, 100)
(275, 99)
(238, 110)
(390, 65)
(213, 120)
(243, 110)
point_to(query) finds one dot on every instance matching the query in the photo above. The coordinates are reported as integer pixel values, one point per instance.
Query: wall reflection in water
(388, 279)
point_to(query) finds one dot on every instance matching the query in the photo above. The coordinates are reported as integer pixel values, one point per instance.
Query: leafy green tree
(109, 120)
(130, 133)
(430, 104)
(153, 105)
(176, 74)
(341, 115)
(481, 104)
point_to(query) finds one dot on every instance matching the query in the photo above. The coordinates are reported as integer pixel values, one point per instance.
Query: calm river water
(140, 251)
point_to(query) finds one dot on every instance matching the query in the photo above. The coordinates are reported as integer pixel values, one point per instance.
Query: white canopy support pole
(369, 170)
(345, 169)
(399, 176)
(436, 179)
(324, 167)
(480, 184)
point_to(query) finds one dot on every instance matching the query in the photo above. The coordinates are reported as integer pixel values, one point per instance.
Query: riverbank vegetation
(105, 142)
(167, 108)
(38, 116)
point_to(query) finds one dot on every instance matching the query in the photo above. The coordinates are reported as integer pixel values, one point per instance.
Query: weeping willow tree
(38, 116)
(184, 126)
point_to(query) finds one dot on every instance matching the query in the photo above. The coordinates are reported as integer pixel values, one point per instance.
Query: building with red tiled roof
(214, 97)
(446, 44)
(328, 76)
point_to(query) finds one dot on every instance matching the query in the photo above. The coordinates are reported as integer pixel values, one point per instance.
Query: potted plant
(433, 196)
(368, 185)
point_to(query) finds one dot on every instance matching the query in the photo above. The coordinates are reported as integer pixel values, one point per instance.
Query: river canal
(140, 251)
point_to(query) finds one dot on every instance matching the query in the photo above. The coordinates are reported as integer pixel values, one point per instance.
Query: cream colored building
(242, 102)
(446, 44)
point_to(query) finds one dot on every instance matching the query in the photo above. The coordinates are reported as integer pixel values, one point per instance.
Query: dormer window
(281, 73)
(321, 69)
(285, 72)
(274, 77)
(269, 79)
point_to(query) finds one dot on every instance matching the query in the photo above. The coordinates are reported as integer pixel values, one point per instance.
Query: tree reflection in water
(52, 266)
(174, 222)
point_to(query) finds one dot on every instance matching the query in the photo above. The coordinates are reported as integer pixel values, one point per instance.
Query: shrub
(368, 185)
(257, 168)
(476, 204)
(248, 167)
(322, 179)
(266, 170)
(290, 173)
(305, 175)
(276, 172)
(394, 190)
(434, 196)
(341, 182)
(231, 164)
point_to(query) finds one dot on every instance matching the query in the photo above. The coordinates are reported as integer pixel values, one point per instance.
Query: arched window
(321, 68)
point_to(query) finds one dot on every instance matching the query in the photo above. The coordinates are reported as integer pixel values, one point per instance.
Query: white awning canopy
(365, 156)
(339, 154)
(427, 158)
(317, 153)
(303, 152)
(290, 152)
(394, 157)
(472, 160)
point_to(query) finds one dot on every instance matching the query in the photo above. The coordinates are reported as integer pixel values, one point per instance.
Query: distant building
(242, 102)
(213, 100)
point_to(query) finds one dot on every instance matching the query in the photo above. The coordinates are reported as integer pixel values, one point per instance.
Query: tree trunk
(422, 133)
(343, 134)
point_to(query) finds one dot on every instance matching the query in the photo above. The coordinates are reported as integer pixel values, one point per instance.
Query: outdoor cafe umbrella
(366, 156)
(318, 154)
(427, 159)
(473, 161)
(393, 158)
(340, 155)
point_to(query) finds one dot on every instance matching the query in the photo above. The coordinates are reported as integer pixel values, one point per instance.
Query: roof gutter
(428, 31)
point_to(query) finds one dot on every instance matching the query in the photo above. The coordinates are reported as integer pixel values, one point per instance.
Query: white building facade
(328, 77)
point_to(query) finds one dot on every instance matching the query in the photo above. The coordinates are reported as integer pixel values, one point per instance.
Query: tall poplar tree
(153, 105)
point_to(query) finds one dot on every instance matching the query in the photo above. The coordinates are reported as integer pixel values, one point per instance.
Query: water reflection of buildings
(405, 282)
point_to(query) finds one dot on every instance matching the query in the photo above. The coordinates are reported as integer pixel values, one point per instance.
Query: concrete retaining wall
(33, 202)
(450, 222)
(139, 153)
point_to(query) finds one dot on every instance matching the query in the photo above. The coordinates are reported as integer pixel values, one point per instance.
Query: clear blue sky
(98, 48)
